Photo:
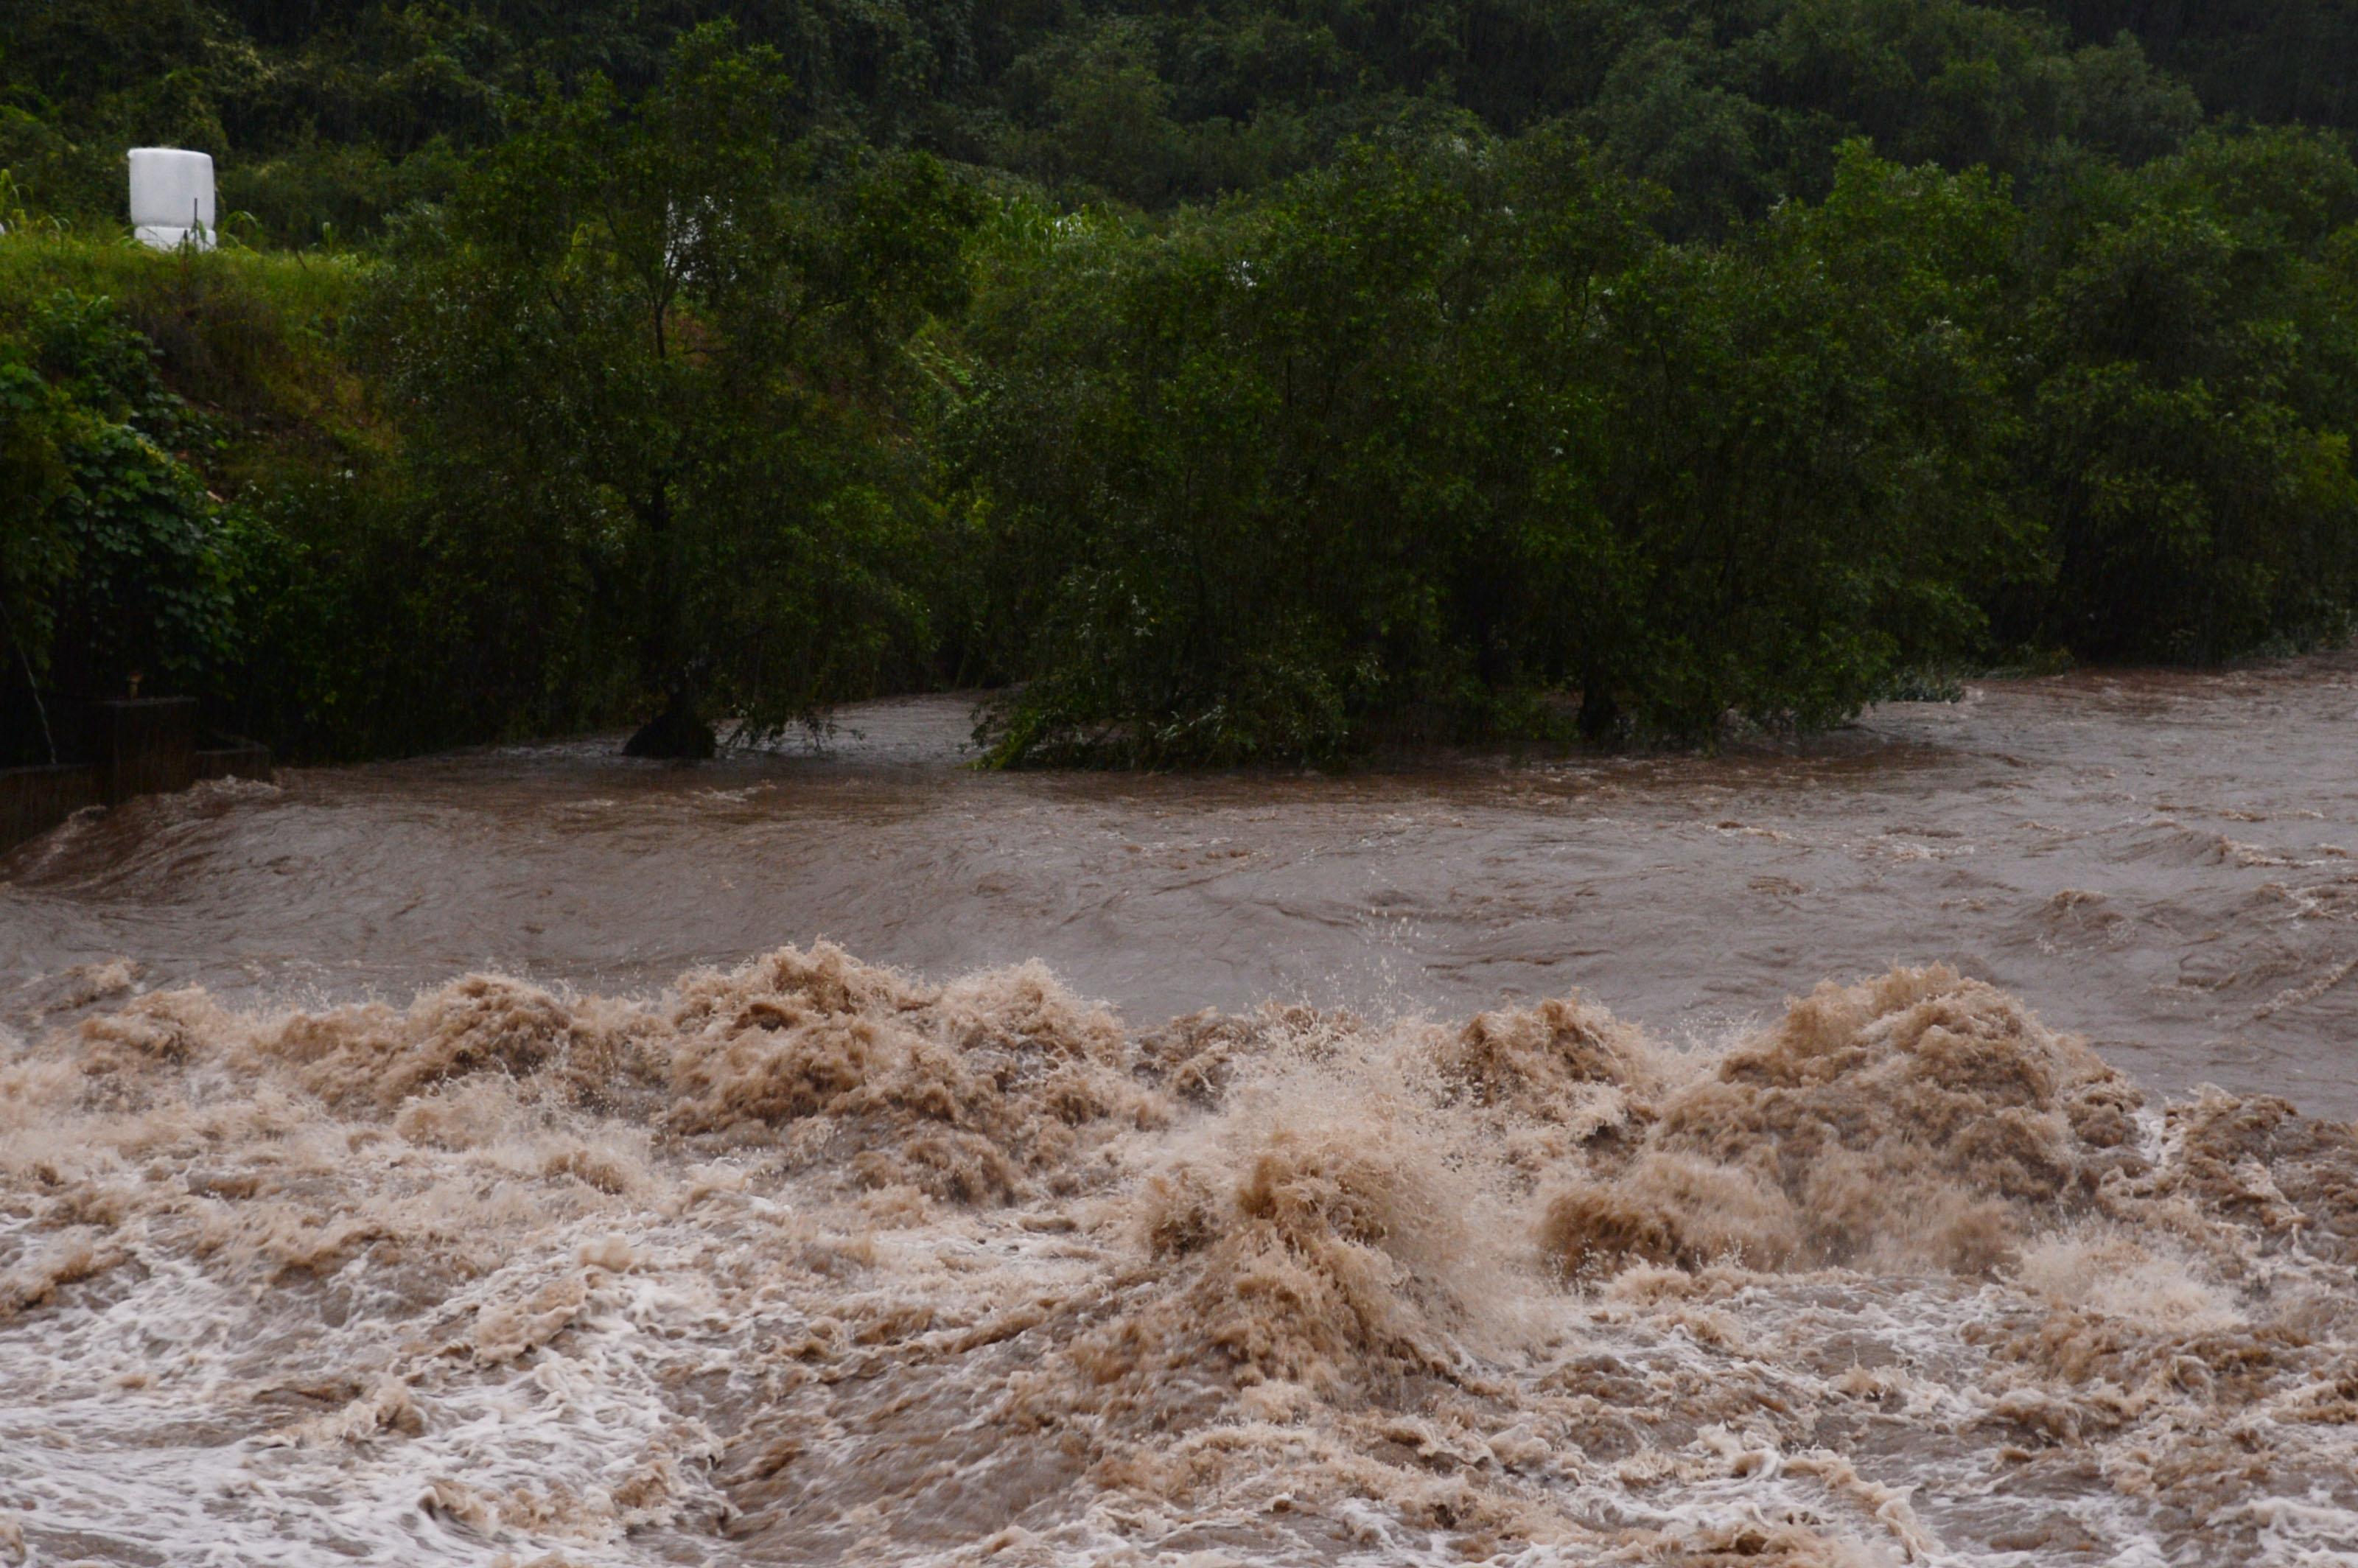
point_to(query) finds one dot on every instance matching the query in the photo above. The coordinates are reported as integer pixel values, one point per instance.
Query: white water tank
(172, 198)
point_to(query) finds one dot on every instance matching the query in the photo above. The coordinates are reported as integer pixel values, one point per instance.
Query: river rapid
(1929, 1143)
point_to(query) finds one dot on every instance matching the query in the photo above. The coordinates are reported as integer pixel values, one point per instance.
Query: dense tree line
(335, 112)
(1223, 381)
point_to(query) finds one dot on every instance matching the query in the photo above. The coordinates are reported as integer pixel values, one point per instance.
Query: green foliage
(1230, 381)
(2264, 60)
(258, 404)
(1804, 456)
(328, 116)
(649, 357)
(116, 564)
(2195, 403)
(1239, 470)
(1443, 423)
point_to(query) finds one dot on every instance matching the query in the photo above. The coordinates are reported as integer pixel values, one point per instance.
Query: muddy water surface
(2163, 862)
(487, 1156)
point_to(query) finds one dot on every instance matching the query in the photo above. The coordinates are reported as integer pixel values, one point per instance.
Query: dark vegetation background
(1230, 380)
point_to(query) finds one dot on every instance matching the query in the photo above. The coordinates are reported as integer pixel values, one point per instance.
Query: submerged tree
(652, 355)
(1440, 436)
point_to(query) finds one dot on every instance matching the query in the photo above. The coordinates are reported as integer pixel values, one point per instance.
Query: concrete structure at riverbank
(118, 750)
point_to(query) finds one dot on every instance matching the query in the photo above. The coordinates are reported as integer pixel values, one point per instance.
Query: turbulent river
(1929, 1144)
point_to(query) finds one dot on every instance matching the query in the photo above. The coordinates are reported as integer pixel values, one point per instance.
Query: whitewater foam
(810, 1260)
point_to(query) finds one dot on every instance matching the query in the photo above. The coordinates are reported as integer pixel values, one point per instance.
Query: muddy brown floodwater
(845, 1155)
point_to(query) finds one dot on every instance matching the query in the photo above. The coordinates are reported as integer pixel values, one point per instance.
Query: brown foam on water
(1921, 1113)
(809, 1260)
(978, 1091)
(982, 1090)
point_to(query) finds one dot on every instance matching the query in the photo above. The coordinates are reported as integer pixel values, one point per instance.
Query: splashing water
(809, 1260)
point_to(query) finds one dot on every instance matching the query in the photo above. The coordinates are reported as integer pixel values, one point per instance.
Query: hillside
(1222, 381)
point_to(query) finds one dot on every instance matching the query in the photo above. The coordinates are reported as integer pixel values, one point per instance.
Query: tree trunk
(1600, 716)
(679, 733)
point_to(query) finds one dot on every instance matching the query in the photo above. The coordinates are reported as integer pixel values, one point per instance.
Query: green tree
(117, 566)
(1438, 430)
(2194, 405)
(651, 360)
(1807, 447)
(1303, 470)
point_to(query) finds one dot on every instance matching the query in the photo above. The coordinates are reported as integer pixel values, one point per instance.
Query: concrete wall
(142, 745)
(34, 800)
(248, 760)
(139, 746)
